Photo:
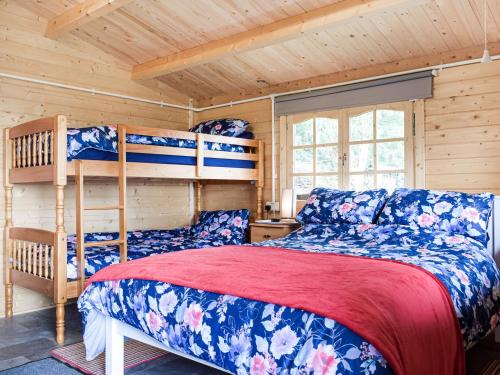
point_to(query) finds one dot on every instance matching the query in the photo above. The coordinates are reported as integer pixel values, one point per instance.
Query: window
(315, 151)
(356, 148)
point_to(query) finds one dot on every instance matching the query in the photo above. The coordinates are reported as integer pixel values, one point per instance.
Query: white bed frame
(116, 330)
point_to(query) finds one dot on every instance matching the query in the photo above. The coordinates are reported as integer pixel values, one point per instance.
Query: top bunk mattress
(101, 143)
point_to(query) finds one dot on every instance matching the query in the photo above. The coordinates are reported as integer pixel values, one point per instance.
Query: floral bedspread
(252, 337)
(105, 138)
(145, 243)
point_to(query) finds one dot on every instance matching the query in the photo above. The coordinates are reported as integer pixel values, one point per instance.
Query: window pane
(361, 127)
(390, 181)
(391, 155)
(327, 130)
(303, 160)
(361, 157)
(303, 184)
(327, 181)
(303, 133)
(390, 124)
(327, 159)
(361, 181)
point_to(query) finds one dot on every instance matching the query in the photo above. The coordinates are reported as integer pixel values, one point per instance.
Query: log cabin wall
(151, 204)
(462, 129)
(462, 135)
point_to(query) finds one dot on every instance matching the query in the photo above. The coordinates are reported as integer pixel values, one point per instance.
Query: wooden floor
(30, 337)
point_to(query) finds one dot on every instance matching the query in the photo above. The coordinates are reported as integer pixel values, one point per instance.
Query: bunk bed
(37, 152)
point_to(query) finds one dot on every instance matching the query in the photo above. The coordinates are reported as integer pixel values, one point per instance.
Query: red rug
(136, 353)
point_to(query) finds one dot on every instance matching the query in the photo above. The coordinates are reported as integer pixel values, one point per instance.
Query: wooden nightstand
(267, 231)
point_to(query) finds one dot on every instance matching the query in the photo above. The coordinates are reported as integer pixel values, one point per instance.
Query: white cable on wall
(93, 91)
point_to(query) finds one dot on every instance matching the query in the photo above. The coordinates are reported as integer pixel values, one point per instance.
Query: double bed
(252, 335)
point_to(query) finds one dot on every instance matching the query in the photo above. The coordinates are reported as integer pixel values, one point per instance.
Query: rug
(493, 368)
(136, 353)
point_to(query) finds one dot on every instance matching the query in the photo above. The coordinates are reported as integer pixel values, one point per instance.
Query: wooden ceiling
(415, 32)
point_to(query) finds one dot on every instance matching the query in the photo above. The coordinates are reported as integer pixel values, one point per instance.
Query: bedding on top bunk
(213, 228)
(244, 335)
(101, 143)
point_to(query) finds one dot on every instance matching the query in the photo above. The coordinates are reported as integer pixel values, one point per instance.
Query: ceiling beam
(81, 14)
(360, 73)
(277, 32)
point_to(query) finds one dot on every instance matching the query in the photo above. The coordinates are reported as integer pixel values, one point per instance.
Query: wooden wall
(462, 134)
(151, 204)
(462, 129)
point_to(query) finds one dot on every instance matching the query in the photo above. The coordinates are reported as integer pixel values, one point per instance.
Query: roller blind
(379, 91)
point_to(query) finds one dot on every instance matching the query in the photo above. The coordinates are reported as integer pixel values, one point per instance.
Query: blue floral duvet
(252, 337)
(142, 244)
(105, 138)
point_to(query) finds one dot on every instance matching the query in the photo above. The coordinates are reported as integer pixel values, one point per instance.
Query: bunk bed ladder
(81, 245)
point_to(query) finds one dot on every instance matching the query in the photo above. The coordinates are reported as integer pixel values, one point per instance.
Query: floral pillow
(104, 138)
(453, 212)
(228, 127)
(222, 223)
(247, 135)
(328, 206)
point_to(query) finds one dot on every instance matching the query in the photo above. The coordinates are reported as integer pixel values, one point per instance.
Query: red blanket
(403, 310)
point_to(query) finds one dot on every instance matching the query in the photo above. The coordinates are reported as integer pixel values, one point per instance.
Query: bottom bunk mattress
(141, 244)
(246, 335)
(213, 229)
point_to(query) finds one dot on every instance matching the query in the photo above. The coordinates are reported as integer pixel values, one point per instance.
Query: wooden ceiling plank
(362, 73)
(270, 34)
(434, 14)
(81, 14)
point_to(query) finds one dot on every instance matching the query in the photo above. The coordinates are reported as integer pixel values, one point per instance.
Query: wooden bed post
(260, 182)
(122, 181)
(80, 225)
(198, 205)
(7, 146)
(60, 240)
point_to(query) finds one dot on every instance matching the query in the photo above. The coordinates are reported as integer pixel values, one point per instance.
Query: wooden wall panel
(151, 204)
(462, 123)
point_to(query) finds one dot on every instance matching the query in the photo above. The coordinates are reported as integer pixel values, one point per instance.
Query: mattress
(101, 143)
(141, 244)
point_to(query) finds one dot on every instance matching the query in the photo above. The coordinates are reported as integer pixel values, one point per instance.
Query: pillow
(453, 212)
(246, 135)
(329, 206)
(228, 127)
(221, 223)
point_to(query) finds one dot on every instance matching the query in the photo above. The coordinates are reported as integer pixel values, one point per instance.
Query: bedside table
(268, 231)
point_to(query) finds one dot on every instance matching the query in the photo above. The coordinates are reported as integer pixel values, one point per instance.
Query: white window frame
(314, 145)
(414, 150)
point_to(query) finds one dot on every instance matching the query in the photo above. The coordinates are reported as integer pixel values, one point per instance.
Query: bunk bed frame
(35, 152)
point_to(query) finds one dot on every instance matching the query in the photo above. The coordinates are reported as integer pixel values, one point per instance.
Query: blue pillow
(228, 127)
(329, 206)
(452, 212)
(246, 135)
(222, 223)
